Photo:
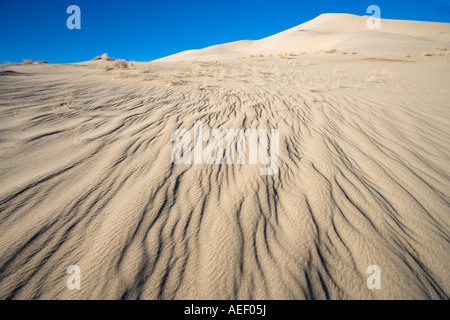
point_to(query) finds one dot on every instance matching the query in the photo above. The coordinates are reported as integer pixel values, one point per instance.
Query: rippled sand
(87, 180)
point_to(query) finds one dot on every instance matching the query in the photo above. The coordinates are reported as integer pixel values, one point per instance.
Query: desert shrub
(103, 68)
(284, 55)
(27, 61)
(120, 64)
(330, 51)
(167, 80)
(103, 57)
(258, 57)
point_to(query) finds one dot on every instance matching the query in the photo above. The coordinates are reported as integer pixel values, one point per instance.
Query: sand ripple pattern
(87, 180)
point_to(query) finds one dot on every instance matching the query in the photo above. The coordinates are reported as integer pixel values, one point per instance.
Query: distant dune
(363, 177)
(344, 32)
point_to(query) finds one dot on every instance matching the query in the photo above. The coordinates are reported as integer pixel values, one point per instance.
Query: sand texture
(364, 171)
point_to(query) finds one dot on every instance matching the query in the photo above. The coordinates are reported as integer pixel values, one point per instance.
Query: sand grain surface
(87, 180)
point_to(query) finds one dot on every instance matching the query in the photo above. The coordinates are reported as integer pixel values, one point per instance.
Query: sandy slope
(339, 31)
(87, 179)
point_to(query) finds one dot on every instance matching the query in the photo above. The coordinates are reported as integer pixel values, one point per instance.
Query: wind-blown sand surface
(87, 177)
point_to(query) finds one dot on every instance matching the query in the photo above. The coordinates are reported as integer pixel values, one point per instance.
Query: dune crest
(344, 32)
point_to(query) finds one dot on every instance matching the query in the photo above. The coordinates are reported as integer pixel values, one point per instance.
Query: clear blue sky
(149, 29)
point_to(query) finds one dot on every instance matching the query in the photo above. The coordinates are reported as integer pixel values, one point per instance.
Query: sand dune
(339, 31)
(87, 177)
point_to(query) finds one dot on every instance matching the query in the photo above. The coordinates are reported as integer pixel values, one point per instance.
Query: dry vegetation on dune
(103, 68)
(122, 64)
(103, 57)
(116, 63)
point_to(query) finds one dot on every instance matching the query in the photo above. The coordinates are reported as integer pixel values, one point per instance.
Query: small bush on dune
(167, 80)
(284, 55)
(27, 61)
(103, 57)
(120, 64)
(258, 58)
(103, 68)
(330, 51)
(426, 54)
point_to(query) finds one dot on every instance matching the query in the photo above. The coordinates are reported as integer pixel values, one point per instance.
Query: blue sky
(148, 29)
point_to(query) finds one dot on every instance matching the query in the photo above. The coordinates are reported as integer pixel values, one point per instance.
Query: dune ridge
(332, 30)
